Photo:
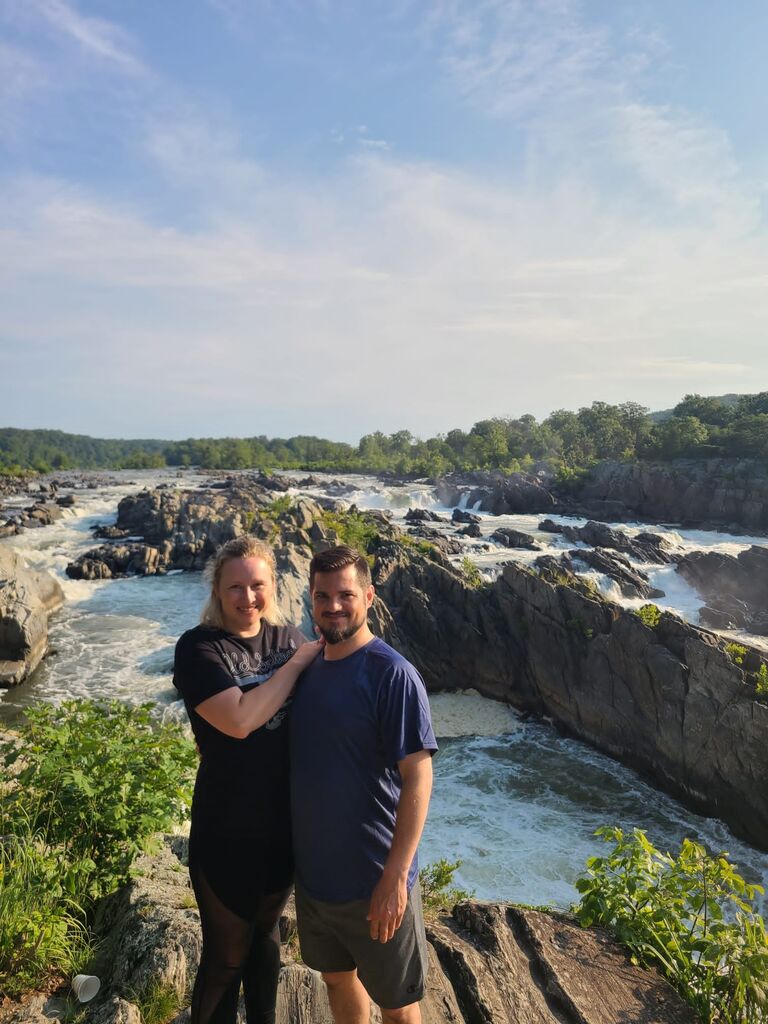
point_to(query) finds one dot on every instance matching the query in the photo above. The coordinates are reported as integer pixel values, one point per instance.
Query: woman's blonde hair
(239, 547)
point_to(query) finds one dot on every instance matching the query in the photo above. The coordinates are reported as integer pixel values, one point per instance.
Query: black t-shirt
(242, 785)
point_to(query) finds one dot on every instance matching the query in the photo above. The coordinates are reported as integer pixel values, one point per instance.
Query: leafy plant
(472, 574)
(761, 680)
(649, 615)
(42, 917)
(99, 780)
(690, 915)
(157, 1003)
(354, 529)
(736, 652)
(437, 891)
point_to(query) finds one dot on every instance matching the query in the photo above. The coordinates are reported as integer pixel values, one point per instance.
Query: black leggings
(236, 950)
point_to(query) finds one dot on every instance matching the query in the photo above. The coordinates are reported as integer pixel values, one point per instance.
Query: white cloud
(98, 37)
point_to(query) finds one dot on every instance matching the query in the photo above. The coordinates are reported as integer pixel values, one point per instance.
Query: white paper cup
(85, 986)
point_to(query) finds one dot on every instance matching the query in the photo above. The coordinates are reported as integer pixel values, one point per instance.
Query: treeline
(698, 427)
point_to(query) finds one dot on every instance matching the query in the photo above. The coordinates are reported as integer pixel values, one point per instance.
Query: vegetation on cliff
(690, 915)
(697, 427)
(88, 786)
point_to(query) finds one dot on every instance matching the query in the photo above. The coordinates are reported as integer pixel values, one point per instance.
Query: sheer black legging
(236, 950)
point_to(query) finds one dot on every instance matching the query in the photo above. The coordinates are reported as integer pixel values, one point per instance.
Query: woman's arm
(237, 714)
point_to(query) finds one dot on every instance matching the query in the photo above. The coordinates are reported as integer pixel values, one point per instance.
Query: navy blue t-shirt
(351, 722)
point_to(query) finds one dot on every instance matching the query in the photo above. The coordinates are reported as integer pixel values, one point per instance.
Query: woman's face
(246, 587)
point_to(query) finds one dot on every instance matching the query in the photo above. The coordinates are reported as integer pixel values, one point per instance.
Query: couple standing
(345, 799)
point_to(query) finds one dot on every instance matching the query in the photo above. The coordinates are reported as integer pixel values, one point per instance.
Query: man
(361, 777)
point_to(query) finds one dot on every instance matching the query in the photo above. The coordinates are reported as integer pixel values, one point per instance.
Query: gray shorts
(336, 937)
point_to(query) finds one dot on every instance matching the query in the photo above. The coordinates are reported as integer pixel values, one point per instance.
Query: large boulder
(495, 492)
(27, 599)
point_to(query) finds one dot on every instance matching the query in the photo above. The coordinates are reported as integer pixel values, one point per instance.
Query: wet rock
(423, 515)
(632, 582)
(549, 526)
(110, 533)
(114, 560)
(472, 530)
(502, 495)
(514, 539)
(735, 588)
(460, 515)
(645, 547)
(27, 599)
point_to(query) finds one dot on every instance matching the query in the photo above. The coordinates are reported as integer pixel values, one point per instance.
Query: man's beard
(333, 634)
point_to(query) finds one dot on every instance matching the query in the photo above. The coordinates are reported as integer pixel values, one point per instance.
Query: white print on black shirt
(248, 669)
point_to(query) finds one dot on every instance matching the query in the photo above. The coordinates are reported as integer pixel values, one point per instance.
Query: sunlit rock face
(27, 598)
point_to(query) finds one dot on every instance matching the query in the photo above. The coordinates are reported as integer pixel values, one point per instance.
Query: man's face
(340, 604)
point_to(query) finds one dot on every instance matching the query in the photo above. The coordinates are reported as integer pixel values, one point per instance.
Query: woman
(240, 859)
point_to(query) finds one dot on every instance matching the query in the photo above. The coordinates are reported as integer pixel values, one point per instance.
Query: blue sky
(250, 217)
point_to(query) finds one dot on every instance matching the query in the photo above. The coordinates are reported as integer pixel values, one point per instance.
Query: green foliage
(577, 626)
(280, 506)
(157, 1003)
(353, 528)
(649, 615)
(736, 652)
(42, 915)
(570, 441)
(472, 574)
(437, 891)
(88, 785)
(761, 680)
(690, 915)
(99, 780)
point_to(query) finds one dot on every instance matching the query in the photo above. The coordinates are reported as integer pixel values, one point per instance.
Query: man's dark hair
(339, 558)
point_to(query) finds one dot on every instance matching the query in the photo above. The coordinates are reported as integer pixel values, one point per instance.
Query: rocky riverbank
(495, 963)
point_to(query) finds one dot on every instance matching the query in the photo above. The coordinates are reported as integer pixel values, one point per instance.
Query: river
(514, 801)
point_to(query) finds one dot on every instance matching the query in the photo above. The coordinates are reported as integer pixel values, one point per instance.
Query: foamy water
(516, 802)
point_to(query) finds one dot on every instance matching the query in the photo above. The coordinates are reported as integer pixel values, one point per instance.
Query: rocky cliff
(489, 963)
(27, 598)
(666, 699)
(714, 493)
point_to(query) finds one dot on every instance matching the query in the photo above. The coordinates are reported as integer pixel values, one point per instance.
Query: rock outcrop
(713, 493)
(668, 700)
(497, 493)
(643, 547)
(495, 963)
(735, 588)
(27, 598)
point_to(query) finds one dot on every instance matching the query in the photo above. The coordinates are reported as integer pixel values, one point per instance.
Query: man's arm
(390, 896)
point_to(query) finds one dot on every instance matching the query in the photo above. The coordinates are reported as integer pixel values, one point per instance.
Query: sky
(330, 217)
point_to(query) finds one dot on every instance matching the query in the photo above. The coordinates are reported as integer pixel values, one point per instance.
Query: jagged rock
(27, 599)
(731, 493)
(735, 588)
(645, 547)
(668, 701)
(423, 515)
(114, 560)
(514, 539)
(632, 582)
(488, 962)
(472, 530)
(66, 501)
(110, 533)
(445, 545)
(460, 515)
(549, 526)
(502, 495)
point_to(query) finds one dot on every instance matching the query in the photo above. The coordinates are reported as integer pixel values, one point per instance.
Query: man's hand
(388, 904)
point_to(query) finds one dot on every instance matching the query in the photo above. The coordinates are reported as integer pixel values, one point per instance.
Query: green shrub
(42, 917)
(690, 915)
(354, 529)
(761, 680)
(437, 892)
(157, 1003)
(99, 780)
(736, 652)
(649, 615)
(472, 574)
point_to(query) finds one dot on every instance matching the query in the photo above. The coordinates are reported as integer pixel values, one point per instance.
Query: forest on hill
(698, 427)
